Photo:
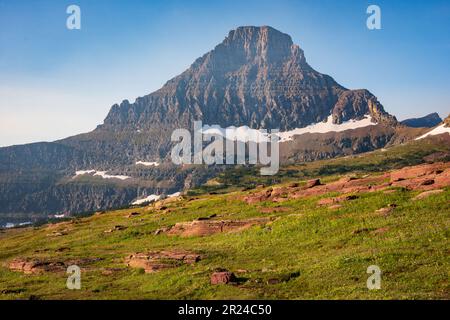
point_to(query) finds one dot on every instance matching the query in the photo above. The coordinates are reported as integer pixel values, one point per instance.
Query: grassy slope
(316, 242)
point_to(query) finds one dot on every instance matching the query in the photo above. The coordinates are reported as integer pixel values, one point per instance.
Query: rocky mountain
(257, 77)
(447, 122)
(428, 121)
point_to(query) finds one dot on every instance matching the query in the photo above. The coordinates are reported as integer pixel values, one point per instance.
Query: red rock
(205, 228)
(313, 183)
(427, 182)
(222, 277)
(417, 171)
(157, 261)
(427, 194)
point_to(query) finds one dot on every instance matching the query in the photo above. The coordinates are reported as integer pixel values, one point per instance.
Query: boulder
(427, 194)
(222, 277)
(209, 227)
(313, 183)
(157, 261)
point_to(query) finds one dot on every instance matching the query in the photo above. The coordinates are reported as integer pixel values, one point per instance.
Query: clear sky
(56, 82)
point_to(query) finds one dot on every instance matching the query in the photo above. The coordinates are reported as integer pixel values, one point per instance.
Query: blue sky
(56, 82)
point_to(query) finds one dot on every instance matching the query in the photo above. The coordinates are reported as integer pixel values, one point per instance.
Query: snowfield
(154, 197)
(147, 164)
(438, 130)
(325, 127)
(102, 174)
(245, 133)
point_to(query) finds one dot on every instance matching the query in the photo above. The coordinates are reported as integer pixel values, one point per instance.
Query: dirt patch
(209, 227)
(162, 260)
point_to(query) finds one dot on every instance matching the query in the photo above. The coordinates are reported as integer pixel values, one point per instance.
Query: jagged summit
(255, 77)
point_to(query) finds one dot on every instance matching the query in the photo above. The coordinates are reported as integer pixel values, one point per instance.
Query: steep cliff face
(255, 77)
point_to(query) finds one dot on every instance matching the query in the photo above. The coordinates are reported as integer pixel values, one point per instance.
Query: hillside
(293, 238)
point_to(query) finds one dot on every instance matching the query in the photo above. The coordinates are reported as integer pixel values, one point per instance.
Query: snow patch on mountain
(154, 197)
(438, 130)
(150, 198)
(102, 174)
(148, 164)
(245, 133)
(328, 126)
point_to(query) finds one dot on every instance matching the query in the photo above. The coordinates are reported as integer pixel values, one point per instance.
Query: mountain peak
(256, 77)
(263, 44)
(262, 33)
(429, 121)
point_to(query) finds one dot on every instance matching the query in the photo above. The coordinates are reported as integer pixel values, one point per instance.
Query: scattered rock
(273, 281)
(437, 156)
(222, 277)
(157, 261)
(39, 266)
(56, 234)
(161, 230)
(313, 183)
(259, 197)
(427, 182)
(426, 194)
(386, 210)
(116, 228)
(408, 178)
(336, 200)
(133, 214)
(417, 171)
(209, 227)
(29, 266)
